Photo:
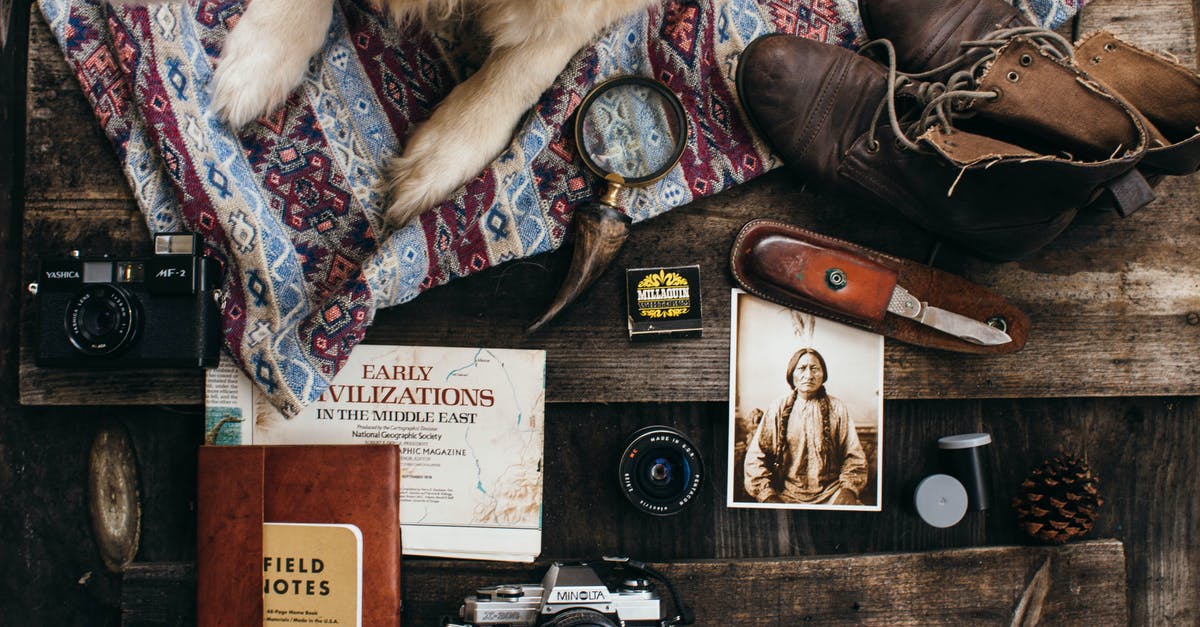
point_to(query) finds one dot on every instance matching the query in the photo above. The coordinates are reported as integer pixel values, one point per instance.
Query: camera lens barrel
(102, 319)
(660, 471)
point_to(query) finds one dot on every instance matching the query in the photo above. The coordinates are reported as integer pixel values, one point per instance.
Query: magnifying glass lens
(633, 127)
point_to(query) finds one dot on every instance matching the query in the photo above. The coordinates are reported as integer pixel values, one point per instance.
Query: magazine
(469, 423)
(805, 410)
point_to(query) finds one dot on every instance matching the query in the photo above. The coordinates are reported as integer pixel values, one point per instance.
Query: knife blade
(969, 329)
(858, 287)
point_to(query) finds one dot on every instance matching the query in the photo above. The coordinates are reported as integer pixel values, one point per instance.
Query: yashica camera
(574, 594)
(152, 312)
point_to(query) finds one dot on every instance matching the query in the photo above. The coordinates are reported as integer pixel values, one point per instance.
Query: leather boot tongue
(1034, 95)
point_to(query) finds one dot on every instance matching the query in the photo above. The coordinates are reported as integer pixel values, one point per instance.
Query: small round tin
(941, 500)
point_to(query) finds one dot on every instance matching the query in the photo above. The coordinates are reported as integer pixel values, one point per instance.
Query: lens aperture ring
(660, 471)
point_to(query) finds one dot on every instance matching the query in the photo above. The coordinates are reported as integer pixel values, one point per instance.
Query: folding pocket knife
(863, 289)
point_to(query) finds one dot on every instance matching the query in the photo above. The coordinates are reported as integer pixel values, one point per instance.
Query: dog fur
(267, 53)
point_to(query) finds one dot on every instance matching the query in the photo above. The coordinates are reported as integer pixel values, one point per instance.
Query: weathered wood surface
(165, 594)
(1144, 449)
(1121, 296)
(961, 586)
(965, 586)
(5, 13)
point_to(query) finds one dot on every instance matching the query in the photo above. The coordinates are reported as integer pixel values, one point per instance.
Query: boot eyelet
(1096, 60)
(999, 93)
(1013, 77)
(873, 146)
(1109, 47)
(900, 145)
(1026, 60)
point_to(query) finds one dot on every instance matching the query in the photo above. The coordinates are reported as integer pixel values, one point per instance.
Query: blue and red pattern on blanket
(291, 204)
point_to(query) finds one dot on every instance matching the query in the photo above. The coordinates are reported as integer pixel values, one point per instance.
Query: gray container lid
(964, 440)
(941, 500)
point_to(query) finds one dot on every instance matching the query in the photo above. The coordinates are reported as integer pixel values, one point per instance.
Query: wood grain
(5, 15)
(1162, 25)
(67, 155)
(165, 593)
(951, 587)
(1143, 450)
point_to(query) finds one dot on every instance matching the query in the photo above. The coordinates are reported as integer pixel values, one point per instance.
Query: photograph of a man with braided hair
(805, 410)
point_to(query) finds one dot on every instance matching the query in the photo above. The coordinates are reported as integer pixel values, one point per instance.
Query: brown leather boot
(1165, 92)
(935, 37)
(989, 162)
(927, 34)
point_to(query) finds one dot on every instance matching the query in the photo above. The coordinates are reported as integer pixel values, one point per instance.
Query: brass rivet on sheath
(999, 323)
(835, 278)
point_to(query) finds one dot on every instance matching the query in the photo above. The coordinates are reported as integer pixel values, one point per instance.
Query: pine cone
(1059, 501)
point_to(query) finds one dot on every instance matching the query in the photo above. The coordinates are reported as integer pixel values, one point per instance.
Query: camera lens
(659, 476)
(101, 319)
(660, 471)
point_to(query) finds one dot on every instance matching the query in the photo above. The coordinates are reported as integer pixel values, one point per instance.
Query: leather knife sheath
(842, 281)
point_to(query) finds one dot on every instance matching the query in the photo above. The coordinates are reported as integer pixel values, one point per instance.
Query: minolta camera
(575, 594)
(153, 312)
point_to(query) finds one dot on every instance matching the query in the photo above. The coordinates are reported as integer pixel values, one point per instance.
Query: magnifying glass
(629, 130)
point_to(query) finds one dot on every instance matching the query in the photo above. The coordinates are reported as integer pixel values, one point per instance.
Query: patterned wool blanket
(291, 205)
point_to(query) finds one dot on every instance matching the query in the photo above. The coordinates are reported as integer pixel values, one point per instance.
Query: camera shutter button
(509, 593)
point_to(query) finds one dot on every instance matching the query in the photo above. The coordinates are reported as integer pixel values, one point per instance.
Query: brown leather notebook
(342, 544)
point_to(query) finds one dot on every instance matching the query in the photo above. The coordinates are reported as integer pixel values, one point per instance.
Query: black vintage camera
(152, 312)
(575, 595)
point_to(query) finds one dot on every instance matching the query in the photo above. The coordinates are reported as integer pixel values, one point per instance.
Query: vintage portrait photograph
(805, 410)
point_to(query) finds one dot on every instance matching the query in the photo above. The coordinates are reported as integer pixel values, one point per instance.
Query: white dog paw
(432, 167)
(414, 186)
(263, 60)
(248, 86)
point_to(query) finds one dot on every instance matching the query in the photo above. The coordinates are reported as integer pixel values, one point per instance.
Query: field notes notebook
(298, 535)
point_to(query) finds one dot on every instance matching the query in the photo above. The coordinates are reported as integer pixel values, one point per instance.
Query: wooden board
(952, 587)
(1144, 449)
(1115, 303)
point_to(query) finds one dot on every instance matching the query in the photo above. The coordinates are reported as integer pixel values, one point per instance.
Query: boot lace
(945, 102)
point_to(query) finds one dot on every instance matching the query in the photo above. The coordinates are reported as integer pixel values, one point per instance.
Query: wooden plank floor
(1115, 305)
(887, 589)
(1121, 296)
